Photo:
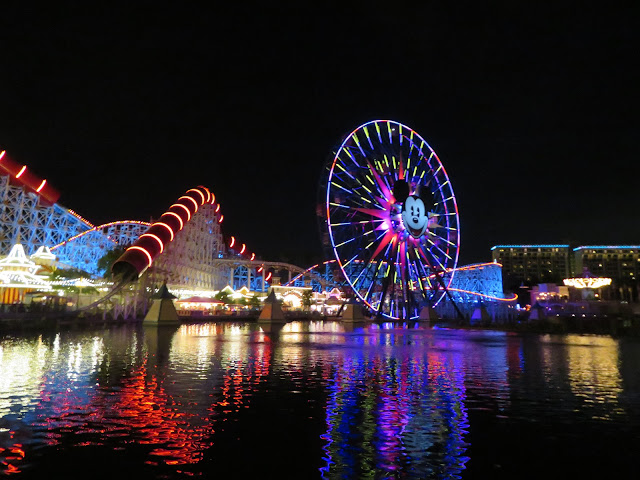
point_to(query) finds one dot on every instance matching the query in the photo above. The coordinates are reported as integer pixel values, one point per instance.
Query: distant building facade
(530, 265)
(621, 263)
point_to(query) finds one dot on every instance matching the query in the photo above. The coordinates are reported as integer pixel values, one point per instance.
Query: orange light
(217, 208)
(220, 219)
(244, 247)
(483, 295)
(206, 190)
(233, 241)
(2, 154)
(41, 185)
(198, 191)
(253, 255)
(185, 209)
(156, 237)
(24, 167)
(195, 204)
(213, 199)
(135, 247)
(167, 227)
(177, 216)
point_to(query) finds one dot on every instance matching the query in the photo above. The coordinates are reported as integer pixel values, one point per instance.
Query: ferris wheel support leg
(385, 287)
(446, 291)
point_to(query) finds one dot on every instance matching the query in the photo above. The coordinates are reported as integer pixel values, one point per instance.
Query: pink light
(135, 247)
(177, 216)
(157, 239)
(24, 167)
(233, 241)
(185, 209)
(41, 185)
(244, 247)
(195, 204)
(167, 227)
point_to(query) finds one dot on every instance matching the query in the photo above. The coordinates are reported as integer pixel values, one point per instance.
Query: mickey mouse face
(414, 216)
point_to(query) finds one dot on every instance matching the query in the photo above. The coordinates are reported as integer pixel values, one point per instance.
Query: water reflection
(301, 400)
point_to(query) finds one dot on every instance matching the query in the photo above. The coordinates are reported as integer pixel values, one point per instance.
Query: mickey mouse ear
(401, 190)
(426, 196)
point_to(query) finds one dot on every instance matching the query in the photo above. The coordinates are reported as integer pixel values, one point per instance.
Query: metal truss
(26, 219)
(471, 280)
(82, 251)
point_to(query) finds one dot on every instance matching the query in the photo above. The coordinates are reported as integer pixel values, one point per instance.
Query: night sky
(532, 109)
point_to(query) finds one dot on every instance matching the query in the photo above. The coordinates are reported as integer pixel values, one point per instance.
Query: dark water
(317, 401)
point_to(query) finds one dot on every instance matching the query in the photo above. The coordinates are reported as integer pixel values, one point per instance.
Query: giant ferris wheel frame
(392, 219)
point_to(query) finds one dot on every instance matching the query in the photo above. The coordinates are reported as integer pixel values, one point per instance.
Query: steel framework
(27, 219)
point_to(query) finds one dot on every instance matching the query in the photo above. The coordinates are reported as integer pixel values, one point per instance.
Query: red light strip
(206, 190)
(24, 167)
(2, 154)
(233, 241)
(244, 247)
(157, 238)
(195, 204)
(268, 276)
(185, 209)
(199, 192)
(213, 199)
(220, 219)
(44, 182)
(135, 247)
(217, 208)
(253, 255)
(167, 227)
(177, 216)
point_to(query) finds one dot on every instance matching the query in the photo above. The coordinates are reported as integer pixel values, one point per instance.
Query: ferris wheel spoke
(439, 249)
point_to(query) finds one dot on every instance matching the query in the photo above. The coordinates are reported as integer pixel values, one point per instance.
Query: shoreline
(616, 327)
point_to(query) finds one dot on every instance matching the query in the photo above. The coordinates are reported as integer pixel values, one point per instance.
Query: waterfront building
(19, 275)
(621, 263)
(532, 264)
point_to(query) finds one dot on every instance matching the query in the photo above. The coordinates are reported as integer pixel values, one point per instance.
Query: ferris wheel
(392, 219)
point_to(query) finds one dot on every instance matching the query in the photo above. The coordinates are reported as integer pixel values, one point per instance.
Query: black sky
(533, 110)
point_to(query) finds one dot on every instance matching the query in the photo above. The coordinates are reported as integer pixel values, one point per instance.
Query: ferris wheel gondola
(391, 219)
